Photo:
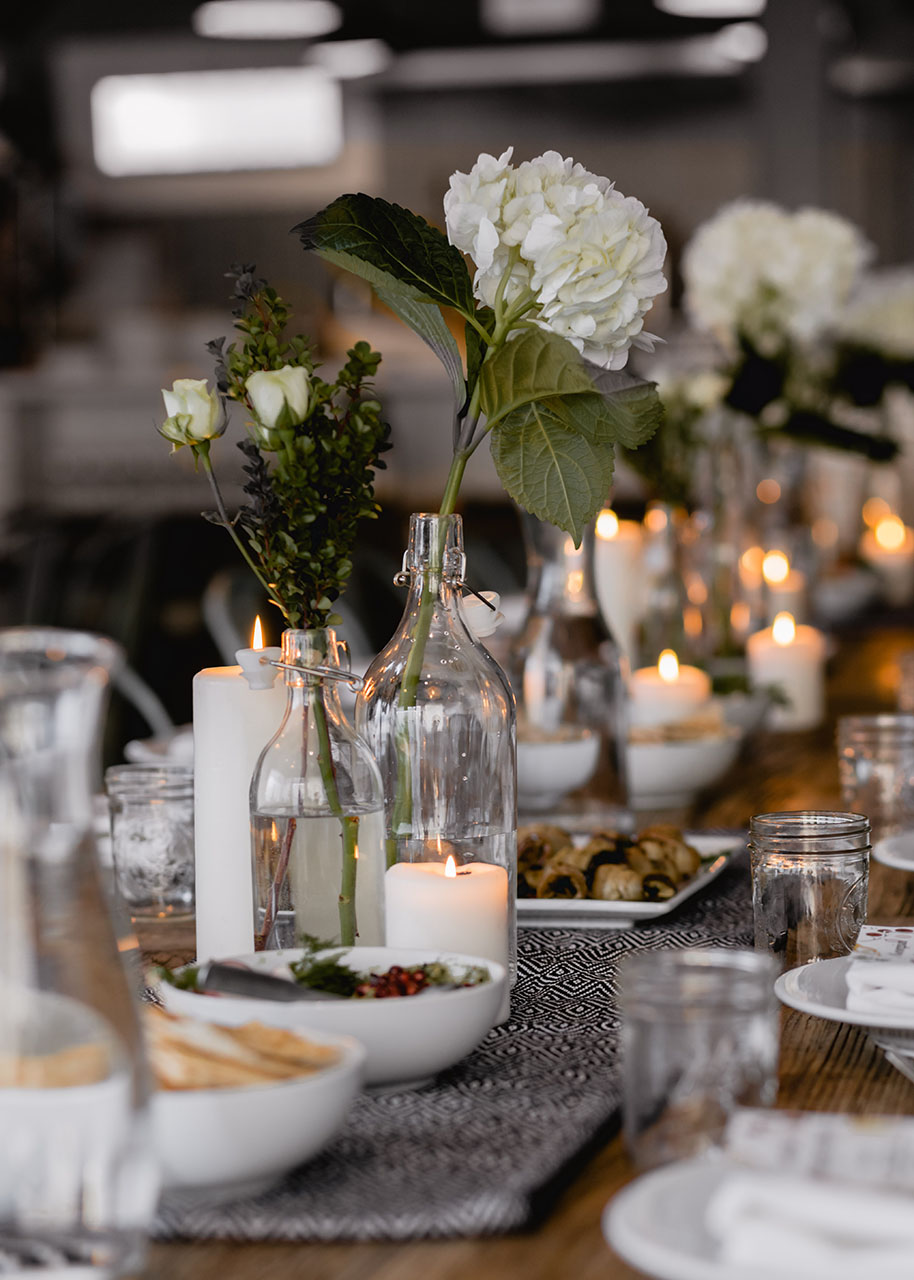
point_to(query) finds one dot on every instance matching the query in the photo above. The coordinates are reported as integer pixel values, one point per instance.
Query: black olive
(656, 887)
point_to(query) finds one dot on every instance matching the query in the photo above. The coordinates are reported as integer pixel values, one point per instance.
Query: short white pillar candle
(889, 550)
(440, 906)
(668, 692)
(792, 658)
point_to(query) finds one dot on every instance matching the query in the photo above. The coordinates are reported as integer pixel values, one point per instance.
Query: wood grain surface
(824, 1066)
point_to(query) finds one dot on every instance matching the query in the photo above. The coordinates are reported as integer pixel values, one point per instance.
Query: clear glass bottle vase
(78, 1185)
(317, 811)
(567, 673)
(438, 713)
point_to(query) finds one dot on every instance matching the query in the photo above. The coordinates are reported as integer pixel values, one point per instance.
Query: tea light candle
(785, 588)
(617, 577)
(235, 715)
(440, 906)
(668, 692)
(888, 548)
(792, 658)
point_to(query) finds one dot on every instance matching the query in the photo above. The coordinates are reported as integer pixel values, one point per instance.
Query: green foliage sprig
(309, 467)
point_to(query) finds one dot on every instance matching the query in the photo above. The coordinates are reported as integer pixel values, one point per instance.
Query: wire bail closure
(402, 579)
(354, 682)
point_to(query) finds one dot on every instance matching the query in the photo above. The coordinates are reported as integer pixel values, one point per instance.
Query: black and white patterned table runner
(488, 1145)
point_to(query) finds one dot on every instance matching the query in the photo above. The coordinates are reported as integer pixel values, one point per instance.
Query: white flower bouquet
(566, 268)
(769, 284)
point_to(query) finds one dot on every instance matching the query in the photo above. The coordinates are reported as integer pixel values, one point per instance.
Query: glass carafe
(77, 1183)
(438, 713)
(566, 671)
(317, 811)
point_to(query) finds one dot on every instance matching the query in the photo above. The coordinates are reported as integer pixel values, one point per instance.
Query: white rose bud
(280, 397)
(194, 413)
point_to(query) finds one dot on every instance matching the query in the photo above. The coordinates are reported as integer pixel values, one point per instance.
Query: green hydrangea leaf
(391, 248)
(426, 320)
(632, 407)
(533, 366)
(551, 465)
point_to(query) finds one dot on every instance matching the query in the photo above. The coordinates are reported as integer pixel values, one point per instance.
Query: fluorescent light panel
(266, 19)
(215, 121)
(350, 59)
(723, 9)
(538, 17)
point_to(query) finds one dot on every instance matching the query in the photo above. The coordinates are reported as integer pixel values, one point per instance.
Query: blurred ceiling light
(215, 121)
(723, 9)
(538, 17)
(742, 41)
(872, 76)
(350, 59)
(266, 19)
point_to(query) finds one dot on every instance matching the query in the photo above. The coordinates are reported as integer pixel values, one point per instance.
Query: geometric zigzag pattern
(487, 1146)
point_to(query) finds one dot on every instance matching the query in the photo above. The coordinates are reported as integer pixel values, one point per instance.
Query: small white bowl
(548, 770)
(223, 1144)
(408, 1039)
(669, 775)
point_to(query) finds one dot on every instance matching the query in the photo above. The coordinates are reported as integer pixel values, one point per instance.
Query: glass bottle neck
(560, 574)
(434, 559)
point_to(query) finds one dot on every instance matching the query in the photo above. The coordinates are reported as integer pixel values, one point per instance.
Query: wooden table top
(824, 1066)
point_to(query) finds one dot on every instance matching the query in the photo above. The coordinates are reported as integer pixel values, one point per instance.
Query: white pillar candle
(618, 578)
(889, 550)
(785, 588)
(667, 693)
(466, 911)
(793, 658)
(232, 724)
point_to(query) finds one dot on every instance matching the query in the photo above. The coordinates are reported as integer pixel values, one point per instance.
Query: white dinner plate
(656, 1224)
(896, 851)
(594, 913)
(820, 988)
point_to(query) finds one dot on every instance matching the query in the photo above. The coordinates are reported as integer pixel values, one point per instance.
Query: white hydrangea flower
(551, 230)
(774, 276)
(880, 317)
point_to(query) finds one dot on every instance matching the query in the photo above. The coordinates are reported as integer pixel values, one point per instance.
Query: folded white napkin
(819, 1229)
(880, 977)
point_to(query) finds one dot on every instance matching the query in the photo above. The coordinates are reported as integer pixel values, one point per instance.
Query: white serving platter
(594, 913)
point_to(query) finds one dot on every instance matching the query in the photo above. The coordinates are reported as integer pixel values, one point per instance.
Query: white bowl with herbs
(416, 1012)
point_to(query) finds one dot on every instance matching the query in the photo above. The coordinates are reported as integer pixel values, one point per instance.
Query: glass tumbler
(809, 882)
(152, 838)
(876, 767)
(699, 1038)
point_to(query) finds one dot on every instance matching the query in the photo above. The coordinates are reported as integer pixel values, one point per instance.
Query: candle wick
(465, 872)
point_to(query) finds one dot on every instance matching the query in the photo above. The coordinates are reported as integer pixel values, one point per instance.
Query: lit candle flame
(257, 634)
(668, 666)
(656, 520)
(450, 868)
(751, 560)
(607, 525)
(874, 510)
(775, 567)
(784, 629)
(890, 533)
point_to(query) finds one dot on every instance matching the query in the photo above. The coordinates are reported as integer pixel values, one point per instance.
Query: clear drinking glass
(810, 872)
(438, 713)
(876, 768)
(699, 1038)
(77, 1182)
(152, 838)
(317, 811)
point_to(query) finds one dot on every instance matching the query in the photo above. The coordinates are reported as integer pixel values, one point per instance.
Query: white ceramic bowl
(546, 771)
(669, 775)
(222, 1144)
(408, 1039)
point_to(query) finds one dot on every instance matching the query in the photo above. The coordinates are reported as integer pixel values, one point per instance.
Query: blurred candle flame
(874, 510)
(775, 567)
(784, 629)
(450, 868)
(890, 533)
(257, 634)
(668, 666)
(607, 524)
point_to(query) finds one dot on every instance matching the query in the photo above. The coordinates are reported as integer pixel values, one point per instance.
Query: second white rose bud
(280, 398)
